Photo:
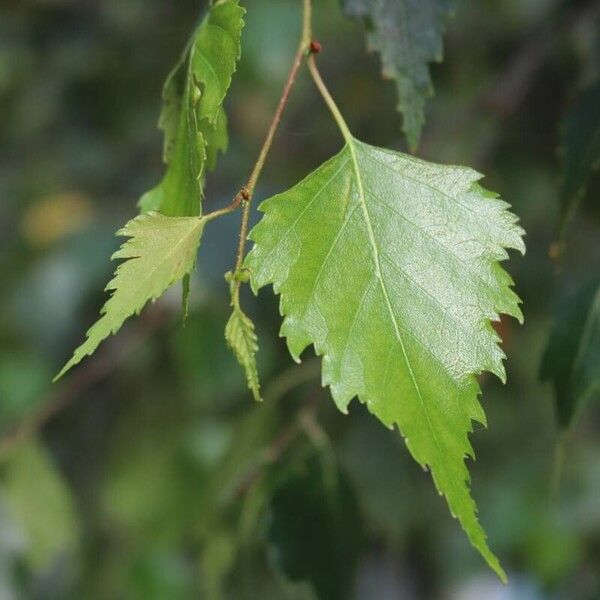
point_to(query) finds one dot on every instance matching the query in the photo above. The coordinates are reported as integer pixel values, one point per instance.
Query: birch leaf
(389, 266)
(408, 35)
(192, 117)
(160, 251)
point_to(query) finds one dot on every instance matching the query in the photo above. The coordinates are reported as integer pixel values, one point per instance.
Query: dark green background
(149, 472)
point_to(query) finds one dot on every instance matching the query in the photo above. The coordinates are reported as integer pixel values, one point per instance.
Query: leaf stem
(335, 111)
(223, 211)
(266, 147)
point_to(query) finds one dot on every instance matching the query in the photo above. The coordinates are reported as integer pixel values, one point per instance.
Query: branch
(303, 422)
(303, 47)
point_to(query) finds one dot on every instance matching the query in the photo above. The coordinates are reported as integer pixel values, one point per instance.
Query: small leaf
(192, 116)
(581, 150)
(572, 358)
(389, 265)
(161, 250)
(408, 35)
(241, 338)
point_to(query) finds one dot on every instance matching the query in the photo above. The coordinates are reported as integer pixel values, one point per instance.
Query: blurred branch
(270, 454)
(507, 92)
(91, 372)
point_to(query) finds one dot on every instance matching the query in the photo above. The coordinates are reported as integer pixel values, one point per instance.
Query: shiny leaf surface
(389, 265)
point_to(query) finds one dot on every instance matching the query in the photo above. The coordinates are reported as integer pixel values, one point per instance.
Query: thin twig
(303, 47)
(304, 422)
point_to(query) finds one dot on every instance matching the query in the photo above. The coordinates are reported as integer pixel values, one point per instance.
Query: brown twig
(301, 52)
(104, 362)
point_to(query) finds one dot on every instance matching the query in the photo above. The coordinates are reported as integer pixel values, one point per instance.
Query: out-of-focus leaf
(315, 528)
(389, 265)
(41, 503)
(192, 116)
(205, 369)
(23, 381)
(145, 491)
(581, 147)
(572, 357)
(217, 559)
(160, 575)
(408, 35)
(160, 251)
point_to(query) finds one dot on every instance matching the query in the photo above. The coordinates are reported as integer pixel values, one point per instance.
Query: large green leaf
(581, 150)
(161, 250)
(572, 358)
(408, 35)
(389, 266)
(192, 116)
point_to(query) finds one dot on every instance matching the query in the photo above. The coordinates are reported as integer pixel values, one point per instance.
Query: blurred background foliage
(149, 472)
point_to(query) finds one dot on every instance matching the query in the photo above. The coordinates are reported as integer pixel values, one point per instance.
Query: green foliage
(572, 357)
(408, 35)
(241, 338)
(315, 528)
(581, 147)
(176, 483)
(40, 501)
(161, 250)
(389, 266)
(192, 116)
(22, 383)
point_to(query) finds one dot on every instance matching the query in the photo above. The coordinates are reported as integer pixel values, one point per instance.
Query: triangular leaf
(160, 251)
(408, 35)
(192, 116)
(389, 266)
(572, 358)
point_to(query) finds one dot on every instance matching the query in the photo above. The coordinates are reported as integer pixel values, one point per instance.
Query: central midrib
(379, 274)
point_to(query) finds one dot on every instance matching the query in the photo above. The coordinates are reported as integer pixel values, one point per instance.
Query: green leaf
(161, 250)
(408, 35)
(581, 150)
(389, 265)
(192, 116)
(572, 358)
(41, 503)
(241, 338)
(315, 527)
